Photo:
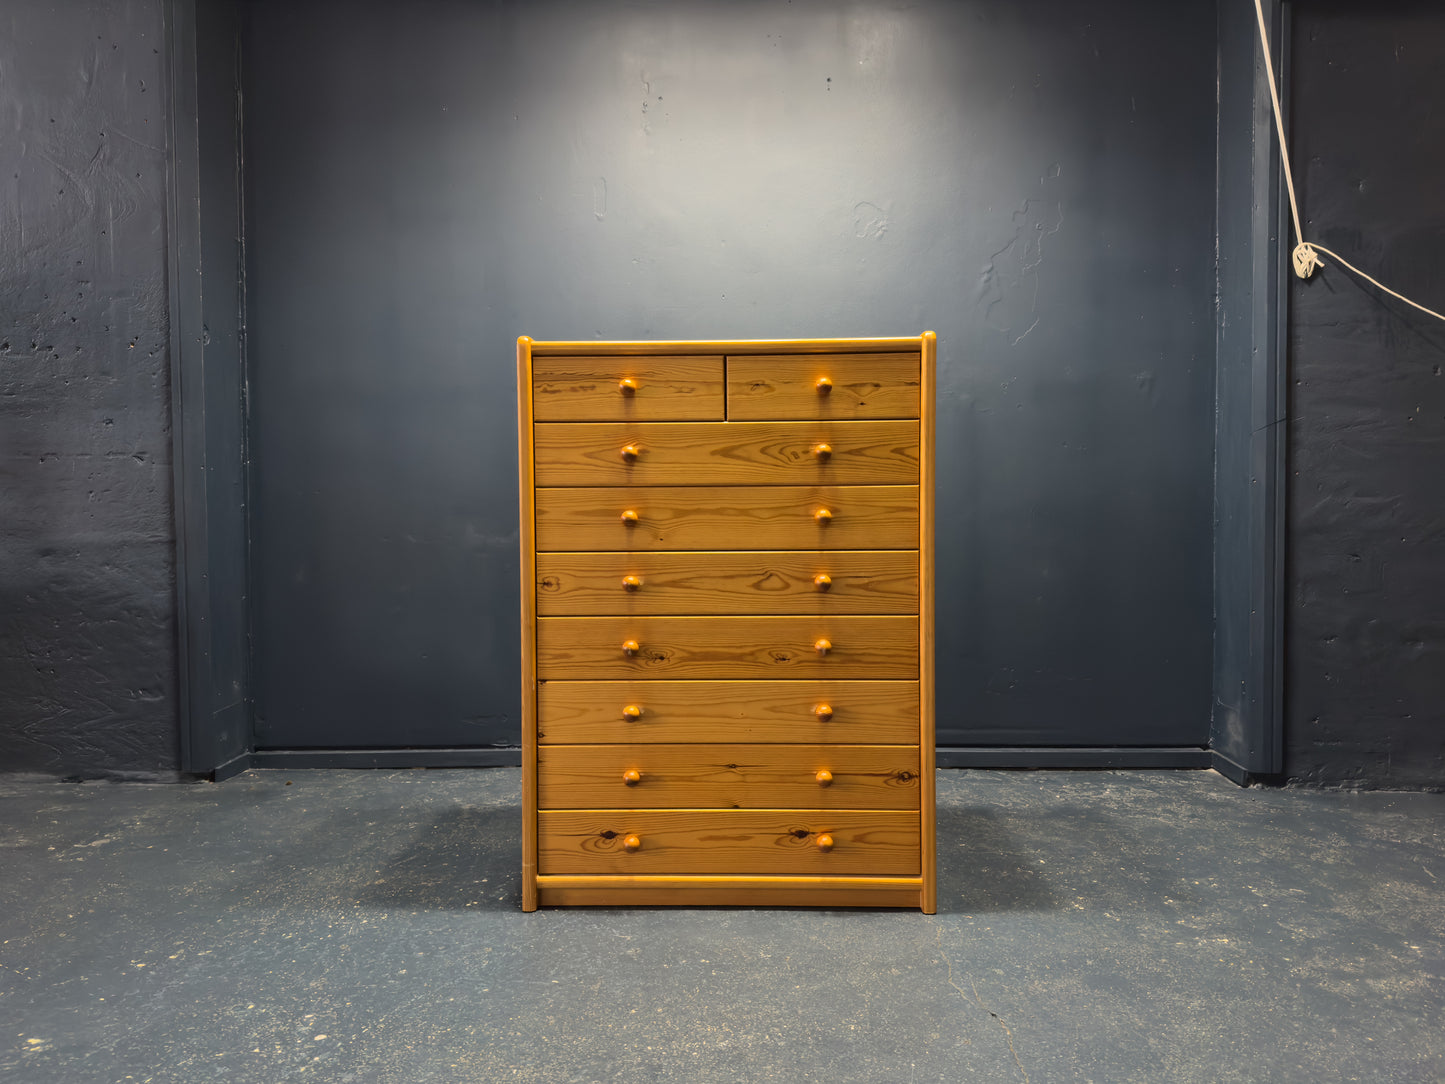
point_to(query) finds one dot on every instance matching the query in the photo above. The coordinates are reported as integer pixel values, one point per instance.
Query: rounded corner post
(927, 728)
(525, 534)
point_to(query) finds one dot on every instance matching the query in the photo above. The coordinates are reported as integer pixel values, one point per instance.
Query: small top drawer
(766, 387)
(646, 388)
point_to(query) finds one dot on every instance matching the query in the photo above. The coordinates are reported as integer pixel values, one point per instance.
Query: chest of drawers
(727, 622)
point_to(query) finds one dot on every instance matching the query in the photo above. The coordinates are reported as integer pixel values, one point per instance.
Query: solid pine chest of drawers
(727, 622)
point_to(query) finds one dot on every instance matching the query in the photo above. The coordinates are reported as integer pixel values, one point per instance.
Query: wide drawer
(728, 776)
(728, 841)
(727, 518)
(640, 712)
(727, 647)
(652, 388)
(732, 453)
(745, 582)
(790, 386)
(727, 890)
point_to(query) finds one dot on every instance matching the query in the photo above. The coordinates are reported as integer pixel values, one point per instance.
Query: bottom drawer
(754, 841)
(728, 890)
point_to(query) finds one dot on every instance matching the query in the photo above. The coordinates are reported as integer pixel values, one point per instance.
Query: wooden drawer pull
(631, 647)
(823, 516)
(822, 647)
(824, 385)
(824, 712)
(822, 452)
(825, 842)
(629, 517)
(824, 777)
(630, 452)
(632, 777)
(632, 583)
(627, 386)
(822, 581)
(632, 712)
(632, 844)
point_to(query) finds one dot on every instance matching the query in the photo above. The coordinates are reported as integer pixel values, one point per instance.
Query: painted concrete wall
(87, 651)
(1365, 696)
(87, 633)
(1034, 181)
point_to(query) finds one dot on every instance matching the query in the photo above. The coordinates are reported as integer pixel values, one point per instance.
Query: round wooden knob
(824, 777)
(629, 517)
(631, 647)
(822, 581)
(822, 647)
(632, 712)
(627, 386)
(632, 777)
(630, 452)
(822, 515)
(632, 844)
(825, 842)
(632, 583)
(824, 712)
(822, 451)
(824, 385)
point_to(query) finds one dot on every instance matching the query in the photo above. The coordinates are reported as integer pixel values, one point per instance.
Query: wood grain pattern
(720, 517)
(728, 891)
(727, 647)
(927, 430)
(785, 386)
(863, 712)
(640, 347)
(757, 841)
(526, 518)
(744, 582)
(737, 453)
(728, 776)
(667, 388)
(722, 757)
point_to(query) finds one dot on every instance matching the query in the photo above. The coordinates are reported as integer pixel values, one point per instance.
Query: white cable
(1306, 255)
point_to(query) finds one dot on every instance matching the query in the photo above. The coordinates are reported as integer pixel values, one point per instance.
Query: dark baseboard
(1062, 757)
(384, 758)
(1235, 773)
(232, 767)
(1067, 757)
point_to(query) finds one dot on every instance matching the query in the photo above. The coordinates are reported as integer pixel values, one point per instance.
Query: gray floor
(364, 926)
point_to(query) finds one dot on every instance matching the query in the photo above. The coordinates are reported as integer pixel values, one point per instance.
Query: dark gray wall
(207, 298)
(1366, 632)
(87, 642)
(87, 632)
(1034, 181)
(1249, 376)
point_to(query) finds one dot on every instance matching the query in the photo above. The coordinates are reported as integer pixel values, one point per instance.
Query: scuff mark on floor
(1007, 1031)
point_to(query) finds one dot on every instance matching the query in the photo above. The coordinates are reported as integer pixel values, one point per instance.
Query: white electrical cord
(1306, 255)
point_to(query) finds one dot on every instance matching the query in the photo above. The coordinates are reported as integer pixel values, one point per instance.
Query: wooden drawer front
(789, 386)
(727, 647)
(723, 518)
(843, 582)
(567, 389)
(727, 890)
(728, 777)
(768, 841)
(859, 712)
(735, 453)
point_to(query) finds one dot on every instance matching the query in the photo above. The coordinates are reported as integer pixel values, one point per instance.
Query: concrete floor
(361, 926)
